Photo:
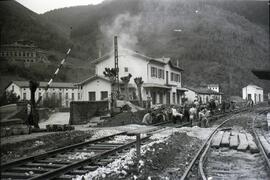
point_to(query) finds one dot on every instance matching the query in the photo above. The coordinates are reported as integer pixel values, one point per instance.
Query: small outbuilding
(253, 92)
(203, 95)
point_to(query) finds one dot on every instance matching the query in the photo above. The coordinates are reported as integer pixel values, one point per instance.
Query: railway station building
(202, 94)
(162, 79)
(253, 92)
(61, 92)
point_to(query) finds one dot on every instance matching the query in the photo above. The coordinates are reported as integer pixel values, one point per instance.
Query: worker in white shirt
(176, 115)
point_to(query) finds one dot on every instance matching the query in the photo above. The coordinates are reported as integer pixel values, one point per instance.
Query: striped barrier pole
(54, 75)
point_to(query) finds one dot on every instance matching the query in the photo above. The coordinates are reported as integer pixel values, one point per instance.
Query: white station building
(162, 79)
(64, 92)
(253, 92)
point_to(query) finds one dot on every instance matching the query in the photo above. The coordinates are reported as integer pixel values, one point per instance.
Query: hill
(19, 23)
(217, 42)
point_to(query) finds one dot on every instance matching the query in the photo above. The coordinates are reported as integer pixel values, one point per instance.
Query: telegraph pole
(116, 64)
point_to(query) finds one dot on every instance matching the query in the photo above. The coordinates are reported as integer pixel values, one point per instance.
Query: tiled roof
(91, 79)
(44, 84)
(154, 85)
(163, 60)
(202, 90)
(255, 86)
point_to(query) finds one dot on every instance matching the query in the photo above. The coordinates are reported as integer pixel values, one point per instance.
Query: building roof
(19, 45)
(92, 78)
(154, 85)
(253, 85)
(44, 84)
(213, 85)
(163, 60)
(262, 74)
(202, 90)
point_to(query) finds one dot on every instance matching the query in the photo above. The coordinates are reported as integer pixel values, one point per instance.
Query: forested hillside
(216, 41)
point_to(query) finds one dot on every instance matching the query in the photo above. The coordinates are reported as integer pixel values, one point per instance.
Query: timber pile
(225, 142)
(266, 145)
(217, 139)
(235, 140)
(243, 143)
(59, 127)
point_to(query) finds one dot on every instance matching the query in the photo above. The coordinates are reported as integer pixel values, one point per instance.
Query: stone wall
(82, 111)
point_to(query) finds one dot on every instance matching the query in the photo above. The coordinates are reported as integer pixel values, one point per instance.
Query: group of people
(186, 113)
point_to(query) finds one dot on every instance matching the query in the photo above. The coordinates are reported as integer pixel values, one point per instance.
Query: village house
(203, 95)
(22, 51)
(214, 87)
(253, 92)
(162, 79)
(63, 92)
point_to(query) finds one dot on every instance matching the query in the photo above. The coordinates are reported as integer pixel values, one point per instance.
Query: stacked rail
(199, 157)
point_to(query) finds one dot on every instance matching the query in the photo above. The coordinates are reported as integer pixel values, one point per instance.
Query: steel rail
(203, 147)
(53, 152)
(202, 158)
(62, 170)
(259, 141)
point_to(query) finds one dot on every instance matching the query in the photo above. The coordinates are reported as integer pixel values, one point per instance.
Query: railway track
(57, 164)
(196, 165)
(258, 140)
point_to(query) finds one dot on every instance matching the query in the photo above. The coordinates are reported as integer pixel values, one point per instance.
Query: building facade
(214, 87)
(253, 92)
(61, 92)
(202, 95)
(162, 80)
(22, 51)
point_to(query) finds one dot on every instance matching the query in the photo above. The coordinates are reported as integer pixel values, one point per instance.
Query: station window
(72, 96)
(91, 96)
(104, 95)
(161, 73)
(24, 96)
(153, 72)
(126, 69)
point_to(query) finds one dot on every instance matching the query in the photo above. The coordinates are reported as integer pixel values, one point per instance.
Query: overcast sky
(41, 6)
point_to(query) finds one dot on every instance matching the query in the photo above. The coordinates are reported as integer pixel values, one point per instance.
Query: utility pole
(116, 64)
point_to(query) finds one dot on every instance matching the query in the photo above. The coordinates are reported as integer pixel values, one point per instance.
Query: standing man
(34, 113)
(193, 113)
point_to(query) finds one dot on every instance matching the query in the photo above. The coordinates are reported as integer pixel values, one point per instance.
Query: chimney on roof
(178, 63)
(99, 52)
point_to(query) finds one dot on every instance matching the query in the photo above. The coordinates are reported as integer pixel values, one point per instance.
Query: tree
(111, 74)
(126, 80)
(138, 81)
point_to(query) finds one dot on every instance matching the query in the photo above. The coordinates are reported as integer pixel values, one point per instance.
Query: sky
(41, 6)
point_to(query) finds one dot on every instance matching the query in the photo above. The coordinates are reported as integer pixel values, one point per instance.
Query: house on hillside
(162, 79)
(214, 87)
(253, 92)
(203, 95)
(62, 92)
(23, 52)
